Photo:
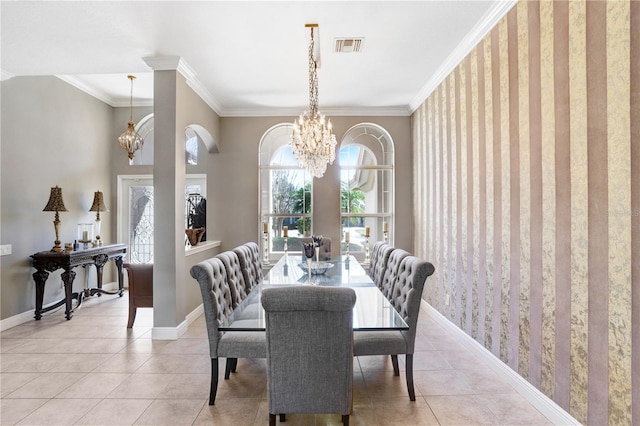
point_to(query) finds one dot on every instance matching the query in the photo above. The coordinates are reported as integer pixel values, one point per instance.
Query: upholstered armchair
(216, 299)
(140, 276)
(309, 350)
(405, 295)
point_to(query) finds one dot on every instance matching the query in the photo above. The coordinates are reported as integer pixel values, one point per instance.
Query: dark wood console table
(49, 261)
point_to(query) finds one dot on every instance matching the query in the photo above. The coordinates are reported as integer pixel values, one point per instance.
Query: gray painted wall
(54, 134)
(233, 183)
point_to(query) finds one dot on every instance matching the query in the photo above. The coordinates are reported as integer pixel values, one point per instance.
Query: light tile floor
(93, 371)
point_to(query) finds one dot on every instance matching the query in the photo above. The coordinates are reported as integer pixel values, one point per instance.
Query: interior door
(135, 215)
(135, 218)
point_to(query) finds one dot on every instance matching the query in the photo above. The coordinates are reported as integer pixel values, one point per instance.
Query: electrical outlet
(447, 299)
(5, 249)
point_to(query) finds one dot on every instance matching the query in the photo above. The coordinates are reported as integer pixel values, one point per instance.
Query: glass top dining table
(372, 310)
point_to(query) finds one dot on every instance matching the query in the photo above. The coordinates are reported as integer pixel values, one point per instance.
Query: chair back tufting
(235, 278)
(391, 270)
(379, 262)
(249, 256)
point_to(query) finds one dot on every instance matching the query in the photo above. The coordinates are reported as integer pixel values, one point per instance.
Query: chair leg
(345, 419)
(228, 367)
(214, 381)
(283, 418)
(132, 314)
(409, 372)
(272, 419)
(234, 365)
(394, 361)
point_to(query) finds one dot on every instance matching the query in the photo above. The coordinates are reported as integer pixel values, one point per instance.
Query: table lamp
(98, 206)
(56, 204)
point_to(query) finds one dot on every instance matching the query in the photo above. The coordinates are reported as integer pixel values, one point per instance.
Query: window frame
(276, 143)
(385, 164)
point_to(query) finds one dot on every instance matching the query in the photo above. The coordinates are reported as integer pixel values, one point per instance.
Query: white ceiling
(249, 58)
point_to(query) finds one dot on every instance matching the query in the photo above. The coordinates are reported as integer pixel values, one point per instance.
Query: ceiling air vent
(349, 45)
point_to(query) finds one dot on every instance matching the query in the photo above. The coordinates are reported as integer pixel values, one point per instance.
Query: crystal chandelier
(130, 140)
(312, 142)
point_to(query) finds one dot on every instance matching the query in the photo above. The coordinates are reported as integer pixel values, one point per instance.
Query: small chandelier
(312, 142)
(130, 140)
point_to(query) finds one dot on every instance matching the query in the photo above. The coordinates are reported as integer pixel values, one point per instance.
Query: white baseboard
(27, 316)
(16, 320)
(174, 333)
(193, 315)
(540, 401)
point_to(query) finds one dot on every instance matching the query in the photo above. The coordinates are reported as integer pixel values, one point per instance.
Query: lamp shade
(55, 203)
(98, 203)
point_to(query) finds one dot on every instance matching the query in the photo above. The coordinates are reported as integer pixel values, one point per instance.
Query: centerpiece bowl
(317, 268)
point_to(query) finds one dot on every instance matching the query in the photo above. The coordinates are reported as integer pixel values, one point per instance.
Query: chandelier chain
(313, 142)
(313, 79)
(131, 99)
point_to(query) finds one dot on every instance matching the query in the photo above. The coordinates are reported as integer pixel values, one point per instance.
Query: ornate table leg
(40, 277)
(67, 277)
(120, 276)
(99, 261)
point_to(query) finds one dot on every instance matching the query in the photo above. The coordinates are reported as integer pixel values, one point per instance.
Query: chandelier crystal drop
(130, 140)
(313, 142)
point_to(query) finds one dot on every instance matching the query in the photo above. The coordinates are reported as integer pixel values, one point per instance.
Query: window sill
(204, 246)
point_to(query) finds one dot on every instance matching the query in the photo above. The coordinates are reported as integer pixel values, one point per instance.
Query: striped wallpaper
(527, 200)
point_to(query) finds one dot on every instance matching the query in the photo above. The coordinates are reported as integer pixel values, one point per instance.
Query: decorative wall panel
(527, 203)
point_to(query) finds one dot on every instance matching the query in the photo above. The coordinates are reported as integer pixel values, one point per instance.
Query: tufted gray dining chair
(217, 302)
(405, 296)
(309, 350)
(249, 256)
(379, 259)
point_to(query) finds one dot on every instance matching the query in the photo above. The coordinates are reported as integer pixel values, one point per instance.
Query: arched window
(285, 191)
(366, 185)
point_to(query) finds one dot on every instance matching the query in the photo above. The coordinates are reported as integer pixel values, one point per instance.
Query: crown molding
(162, 63)
(205, 95)
(167, 63)
(475, 36)
(78, 84)
(400, 111)
(99, 94)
